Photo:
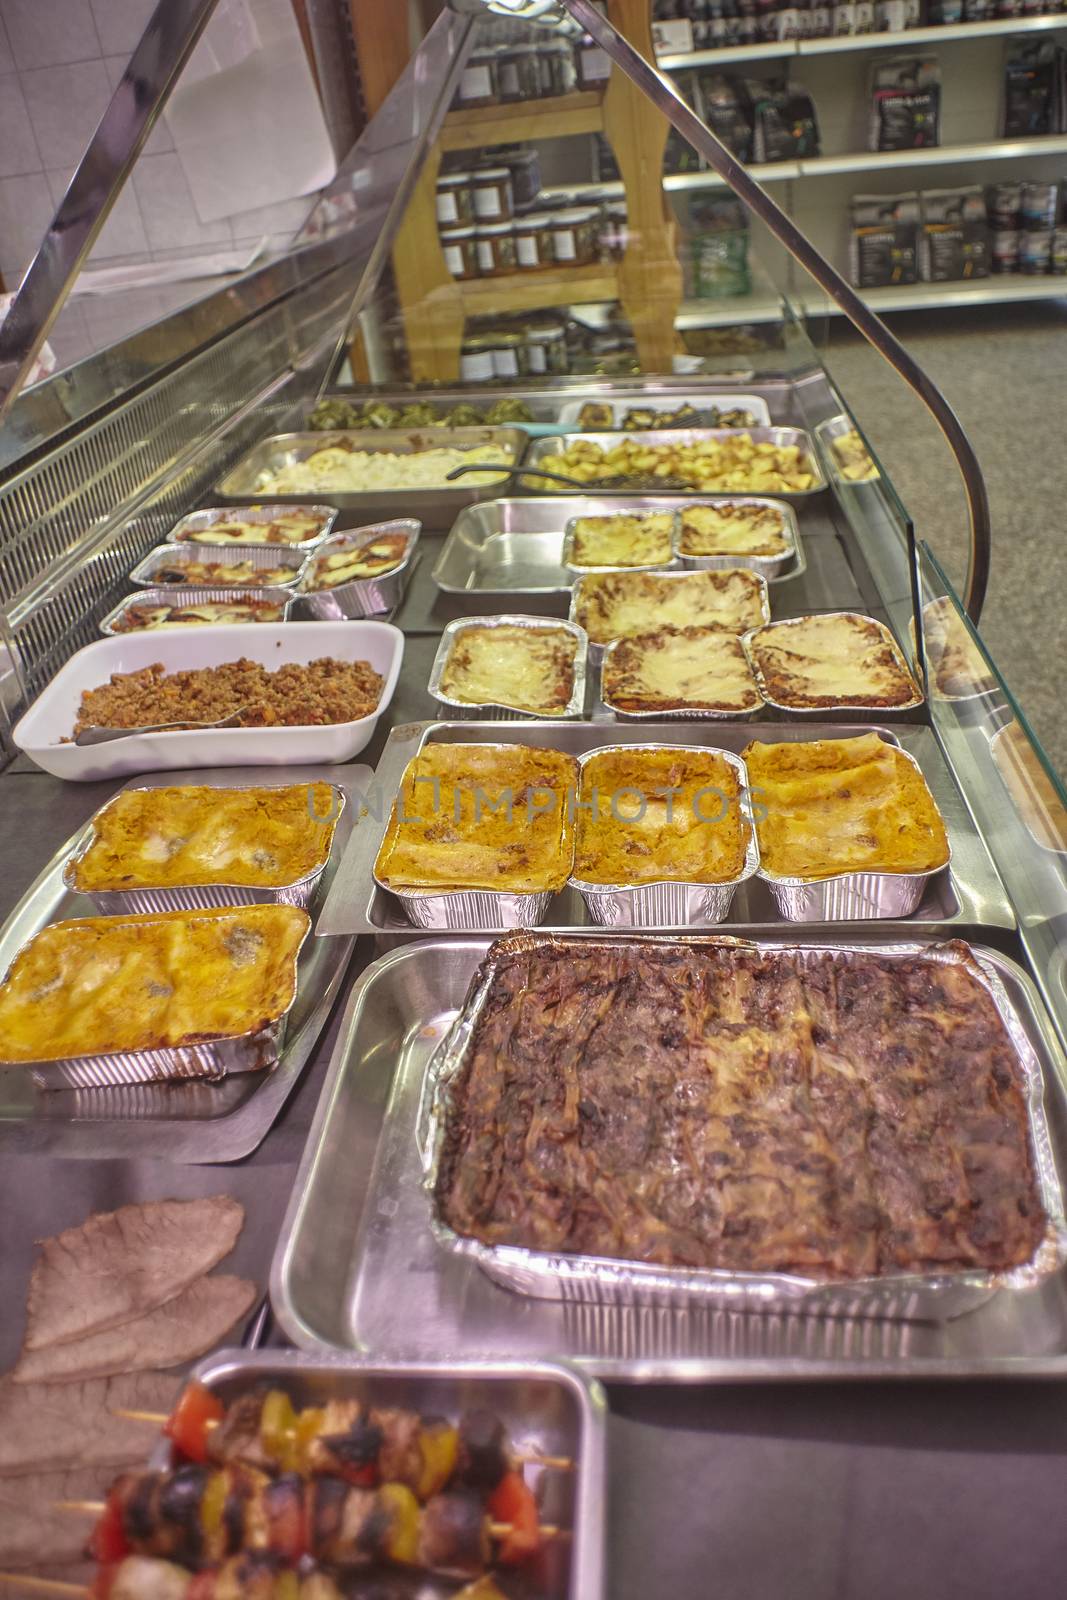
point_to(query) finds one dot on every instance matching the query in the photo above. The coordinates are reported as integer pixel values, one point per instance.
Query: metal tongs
(106, 735)
(639, 483)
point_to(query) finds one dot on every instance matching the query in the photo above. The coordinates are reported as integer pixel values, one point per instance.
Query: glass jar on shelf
(533, 241)
(460, 250)
(546, 349)
(477, 85)
(509, 355)
(559, 70)
(455, 204)
(495, 249)
(476, 359)
(492, 193)
(574, 236)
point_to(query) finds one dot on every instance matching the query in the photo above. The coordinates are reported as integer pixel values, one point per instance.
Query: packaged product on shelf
(1037, 205)
(977, 10)
(524, 165)
(728, 113)
(455, 204)
(1029, 89)
(820, 20)
(783, 118)
(1035, 252)
(1004, 203)
(945, 13)
(906, 103)
(1059, 251)
(718, 249)
(594, 64)
(884, 240)
(679, 155)
(460, 251)
(559, 69)
(954, 241)
(494, 200)
(896, 16)
(477, 86)
(1005, 246)
(494, 244)
(533, 240)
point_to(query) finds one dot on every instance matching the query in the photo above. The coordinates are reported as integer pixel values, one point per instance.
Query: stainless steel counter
(871, 1491)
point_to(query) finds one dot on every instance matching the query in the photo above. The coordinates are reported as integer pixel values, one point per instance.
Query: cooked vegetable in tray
(337, 413)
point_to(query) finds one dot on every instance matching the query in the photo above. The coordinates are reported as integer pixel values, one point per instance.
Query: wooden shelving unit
(647, 281)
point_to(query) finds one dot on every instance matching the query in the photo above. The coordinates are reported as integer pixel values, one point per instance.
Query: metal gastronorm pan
(435, 508)
(673, 437)
(358, 1208)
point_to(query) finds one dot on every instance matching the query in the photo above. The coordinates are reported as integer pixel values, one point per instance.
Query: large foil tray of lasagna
(600, 1281)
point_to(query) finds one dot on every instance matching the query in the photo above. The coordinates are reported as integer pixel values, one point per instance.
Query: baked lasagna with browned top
(527, 667)
(843, 805)
(616, 605)
(624, 539)
(679, 669)
(219, 575)
(826, 1113)
(140, 614)
(733, 528)
(287, 527)
(837, 659)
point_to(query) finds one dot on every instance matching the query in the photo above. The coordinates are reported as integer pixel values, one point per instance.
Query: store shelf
(766, 306)
(859, 41)
(554, 118)
(526, 291)
(761, 307)
(944, 155)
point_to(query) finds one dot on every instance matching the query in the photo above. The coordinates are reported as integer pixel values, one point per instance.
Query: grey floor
(1005, 373)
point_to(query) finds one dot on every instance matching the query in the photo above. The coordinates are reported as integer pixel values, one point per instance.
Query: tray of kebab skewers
(286, 1477)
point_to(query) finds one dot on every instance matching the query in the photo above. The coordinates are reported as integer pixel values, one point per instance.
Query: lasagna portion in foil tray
(836, 1114)
(832, 659)
(616, 605)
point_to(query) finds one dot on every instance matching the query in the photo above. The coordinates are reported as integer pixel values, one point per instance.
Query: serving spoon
(637, 482)
(106, 735)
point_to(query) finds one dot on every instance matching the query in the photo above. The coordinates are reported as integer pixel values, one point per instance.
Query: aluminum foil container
(259, 556)
(672, 714)
(570, 535)
(471, 909)
(668, 902)
(361, 597)
(598, 649)
(547, 1409)
(497, 711)
(852, 896)
(880, 712)
(836, 428)
(767, 566)
(910, 1297)
(192, 597)
(209, 1061)
(197, 897)
(197, 523)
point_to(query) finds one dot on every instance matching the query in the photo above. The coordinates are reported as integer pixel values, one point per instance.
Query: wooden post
(430, 296)
(650, 276)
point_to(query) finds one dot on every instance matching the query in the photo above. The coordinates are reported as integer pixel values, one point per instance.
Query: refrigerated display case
(755, 1431)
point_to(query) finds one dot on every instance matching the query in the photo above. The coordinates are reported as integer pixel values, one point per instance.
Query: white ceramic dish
(51, 718)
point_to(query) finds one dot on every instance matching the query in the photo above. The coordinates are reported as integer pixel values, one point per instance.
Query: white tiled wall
(60, 61)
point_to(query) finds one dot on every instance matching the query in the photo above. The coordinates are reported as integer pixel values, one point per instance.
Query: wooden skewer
(497, 1530)
(532, 1457)
(44, 1585)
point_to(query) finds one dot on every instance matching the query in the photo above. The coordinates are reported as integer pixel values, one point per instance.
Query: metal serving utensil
(638, 482)
(106, 735)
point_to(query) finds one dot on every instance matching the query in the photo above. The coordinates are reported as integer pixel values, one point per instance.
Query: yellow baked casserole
(168, 838)
(616, 605)
(526, 666)
(100, 985)
(843, 805)
(679, 669)
(629, 539)
(652, 816)
(732, 528)
(476, 816)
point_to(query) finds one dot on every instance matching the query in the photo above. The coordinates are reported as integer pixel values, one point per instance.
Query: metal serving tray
(435, 508)
(188, 1122)
(911, 1297)
(261, 557)
(193, 597)
(555, 445)
(191, 897)
(547, 1409)
(768, 567)
(701, 400)
(192, 528)
(969, 896)
(881, 712)
(361, 597)
(358, 1208)
(515, 546)
(491, 710)
(668, 902)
